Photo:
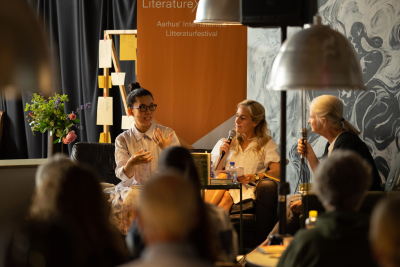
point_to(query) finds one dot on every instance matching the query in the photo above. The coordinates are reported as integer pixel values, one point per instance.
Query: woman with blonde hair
(326, 119)
(252, 148)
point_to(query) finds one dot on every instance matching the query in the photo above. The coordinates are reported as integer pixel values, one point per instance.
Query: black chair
(98, 155)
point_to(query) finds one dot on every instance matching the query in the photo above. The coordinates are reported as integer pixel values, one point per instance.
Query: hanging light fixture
(226, 12)
(316, 58)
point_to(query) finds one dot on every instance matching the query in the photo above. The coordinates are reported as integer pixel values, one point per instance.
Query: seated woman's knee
(227, 198)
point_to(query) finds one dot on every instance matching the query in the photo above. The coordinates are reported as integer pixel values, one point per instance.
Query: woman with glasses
(137, 149)
(137, 153)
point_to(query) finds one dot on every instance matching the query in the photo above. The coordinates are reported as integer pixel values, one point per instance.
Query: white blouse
(250, 160)
(130, 142)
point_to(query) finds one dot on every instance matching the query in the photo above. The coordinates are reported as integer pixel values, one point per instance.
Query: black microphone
(304, 133)
(232, 134)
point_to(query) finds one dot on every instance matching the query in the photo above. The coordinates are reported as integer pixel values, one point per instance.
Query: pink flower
(72, 116)
(71, 136)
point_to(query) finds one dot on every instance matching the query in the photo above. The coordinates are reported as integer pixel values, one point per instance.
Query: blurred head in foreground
(71, 191)
(385, 231)
(168, 211)
(25, 57)
(342, 180)
(179, 160)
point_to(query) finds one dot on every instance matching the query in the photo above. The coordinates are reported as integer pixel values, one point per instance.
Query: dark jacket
(353, 142)
(339, 239)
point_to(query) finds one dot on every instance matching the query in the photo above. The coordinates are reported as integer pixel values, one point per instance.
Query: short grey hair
(341, 181)
(53, 168)
(168, 206)
(384, 231)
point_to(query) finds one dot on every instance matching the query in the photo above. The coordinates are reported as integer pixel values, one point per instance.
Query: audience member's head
(168, 209)
(385, 231)
(71, 192)
(341, 181)
(180, 160)
(67, 188)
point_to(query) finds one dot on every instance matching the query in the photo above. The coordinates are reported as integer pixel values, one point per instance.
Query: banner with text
(197, 73)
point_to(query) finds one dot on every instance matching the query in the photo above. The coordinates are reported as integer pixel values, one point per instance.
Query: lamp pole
(283, 185)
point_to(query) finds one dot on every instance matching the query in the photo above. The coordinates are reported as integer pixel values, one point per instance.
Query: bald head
(168, 209)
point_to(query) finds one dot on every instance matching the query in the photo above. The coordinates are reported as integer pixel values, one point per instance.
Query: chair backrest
(311, 202)
(98, 155)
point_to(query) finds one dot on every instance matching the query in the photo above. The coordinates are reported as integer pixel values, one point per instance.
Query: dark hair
(179, 159)
(136, 91)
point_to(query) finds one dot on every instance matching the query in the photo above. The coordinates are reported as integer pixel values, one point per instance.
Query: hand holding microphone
(226, 145)
(304, 133)
(303, 147)
(305, 150)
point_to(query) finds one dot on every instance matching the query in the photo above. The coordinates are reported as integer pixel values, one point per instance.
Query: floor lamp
(316, 58)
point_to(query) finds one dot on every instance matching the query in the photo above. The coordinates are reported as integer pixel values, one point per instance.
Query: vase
(51, 147)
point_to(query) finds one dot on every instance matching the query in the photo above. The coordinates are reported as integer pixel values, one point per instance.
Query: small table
(258, 259)
(232, 186)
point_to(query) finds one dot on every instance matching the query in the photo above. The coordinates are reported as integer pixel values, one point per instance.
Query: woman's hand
(295, 206)
(225, 147)
(140, 158)
(304, 147)
(160, 140)
(247, 178)
(136, 159)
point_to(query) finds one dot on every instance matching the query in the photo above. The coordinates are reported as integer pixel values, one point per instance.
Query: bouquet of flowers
(49, 115)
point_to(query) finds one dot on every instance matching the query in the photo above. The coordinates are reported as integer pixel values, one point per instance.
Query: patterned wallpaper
(373, 28)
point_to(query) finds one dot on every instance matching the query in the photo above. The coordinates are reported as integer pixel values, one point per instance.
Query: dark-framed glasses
(143, 108)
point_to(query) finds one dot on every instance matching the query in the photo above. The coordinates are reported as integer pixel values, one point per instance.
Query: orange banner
(197, 73)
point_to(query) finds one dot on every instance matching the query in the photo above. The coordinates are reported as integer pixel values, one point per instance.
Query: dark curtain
(74, 28)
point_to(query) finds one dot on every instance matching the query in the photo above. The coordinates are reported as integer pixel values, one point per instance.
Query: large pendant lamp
(316, 58)
(226, 12)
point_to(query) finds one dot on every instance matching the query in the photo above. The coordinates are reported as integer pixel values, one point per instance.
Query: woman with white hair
(326, 119)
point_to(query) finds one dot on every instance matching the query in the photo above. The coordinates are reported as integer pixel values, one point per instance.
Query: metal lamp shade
(316, 58)
(225, 12)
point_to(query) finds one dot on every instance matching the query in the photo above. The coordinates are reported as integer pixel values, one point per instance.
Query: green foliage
(48, 115)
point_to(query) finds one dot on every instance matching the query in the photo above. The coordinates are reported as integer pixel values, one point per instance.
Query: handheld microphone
(232, 134)
(304, 133)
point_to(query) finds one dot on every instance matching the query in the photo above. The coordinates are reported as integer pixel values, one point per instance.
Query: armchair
(98, 155)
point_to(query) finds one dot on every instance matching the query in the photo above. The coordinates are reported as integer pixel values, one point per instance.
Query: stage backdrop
(196, 73)
(373, 29)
